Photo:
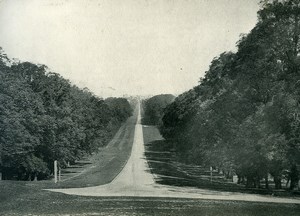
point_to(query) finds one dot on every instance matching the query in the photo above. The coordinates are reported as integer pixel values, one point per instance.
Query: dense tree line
(120, 107)
(43, 117)
(153, 108)
(244, 116)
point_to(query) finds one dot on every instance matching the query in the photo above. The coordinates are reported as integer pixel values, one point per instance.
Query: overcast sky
(118, 47)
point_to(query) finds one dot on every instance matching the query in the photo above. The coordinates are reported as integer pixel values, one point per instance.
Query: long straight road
(136, 180)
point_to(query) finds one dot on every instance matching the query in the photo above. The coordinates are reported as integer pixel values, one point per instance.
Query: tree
(43, 118)
(153, 108)
(244, 114)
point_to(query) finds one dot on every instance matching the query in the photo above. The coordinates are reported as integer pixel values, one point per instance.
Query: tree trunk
(277, 181)
(267, 181)
(250, 183)
(241, 179)
(287, 183)
(29, 177)
(257, 179)
(294, 175)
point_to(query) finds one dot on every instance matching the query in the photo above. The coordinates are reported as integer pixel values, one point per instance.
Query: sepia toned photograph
(149, 107)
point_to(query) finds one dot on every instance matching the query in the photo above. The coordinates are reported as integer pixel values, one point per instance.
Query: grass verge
(169, 171)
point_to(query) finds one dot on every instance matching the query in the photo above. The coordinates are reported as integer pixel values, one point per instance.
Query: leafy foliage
(243, 117)
(44, 118)
(153, 108)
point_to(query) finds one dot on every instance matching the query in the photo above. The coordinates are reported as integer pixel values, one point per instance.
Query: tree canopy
(43, 117)
(243, 116)
(153, 108)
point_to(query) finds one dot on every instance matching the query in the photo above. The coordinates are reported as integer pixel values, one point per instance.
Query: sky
(125, 47)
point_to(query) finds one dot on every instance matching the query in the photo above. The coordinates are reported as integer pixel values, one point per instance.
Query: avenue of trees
(153, 108)
(43, 117)
(244, 116)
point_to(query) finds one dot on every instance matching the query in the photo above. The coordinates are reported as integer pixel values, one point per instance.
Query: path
(136, 180)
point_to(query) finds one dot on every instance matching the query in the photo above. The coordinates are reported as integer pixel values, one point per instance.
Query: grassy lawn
(163, 163)
(19, 198)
